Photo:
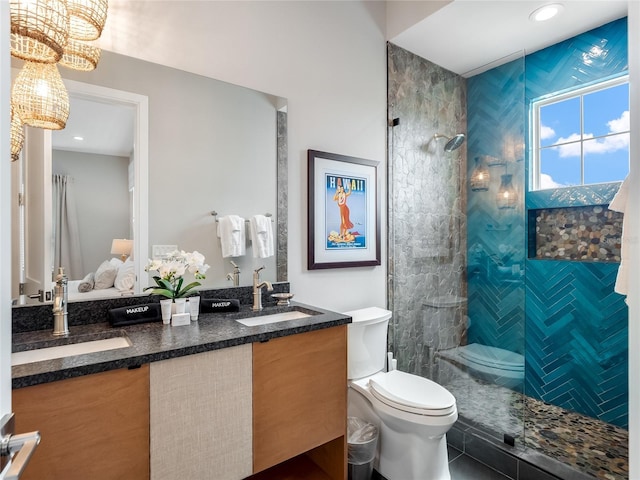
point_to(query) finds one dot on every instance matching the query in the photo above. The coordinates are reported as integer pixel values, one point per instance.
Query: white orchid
(172, 268)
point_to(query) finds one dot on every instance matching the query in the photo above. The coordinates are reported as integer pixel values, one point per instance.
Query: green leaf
(161, 291)
(185, 290)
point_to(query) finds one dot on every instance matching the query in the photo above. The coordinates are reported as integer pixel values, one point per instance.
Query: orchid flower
(171, 269)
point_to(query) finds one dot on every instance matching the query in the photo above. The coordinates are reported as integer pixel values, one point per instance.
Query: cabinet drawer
(96, 426)
(201, 416)
(299, 394)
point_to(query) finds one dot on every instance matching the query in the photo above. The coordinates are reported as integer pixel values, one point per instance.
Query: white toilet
(413, 414)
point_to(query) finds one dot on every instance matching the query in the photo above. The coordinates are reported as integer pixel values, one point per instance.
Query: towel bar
(215, 214)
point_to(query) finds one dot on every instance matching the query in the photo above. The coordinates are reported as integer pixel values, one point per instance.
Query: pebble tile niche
(590, 233)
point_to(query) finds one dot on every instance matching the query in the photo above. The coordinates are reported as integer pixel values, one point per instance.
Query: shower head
(452, 143)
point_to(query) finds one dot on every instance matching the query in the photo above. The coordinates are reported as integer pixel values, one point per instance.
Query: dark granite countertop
(154, 341)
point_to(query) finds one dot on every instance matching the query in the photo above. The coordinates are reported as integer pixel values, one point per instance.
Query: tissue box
(178, 319)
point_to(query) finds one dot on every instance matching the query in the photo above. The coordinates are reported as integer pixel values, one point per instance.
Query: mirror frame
(140, 104)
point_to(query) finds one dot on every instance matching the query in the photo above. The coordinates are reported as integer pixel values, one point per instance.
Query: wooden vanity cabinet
(93, 427)
(300, 406)
(267, 410)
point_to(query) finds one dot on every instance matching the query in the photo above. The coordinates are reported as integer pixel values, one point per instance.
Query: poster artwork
(346, 212)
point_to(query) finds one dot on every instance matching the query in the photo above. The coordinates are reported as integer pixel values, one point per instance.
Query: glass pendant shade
(39, 97)
(479, 180)
(39, 29)
(80, 56)
(507, 196)
(86, 18)
(17, 135)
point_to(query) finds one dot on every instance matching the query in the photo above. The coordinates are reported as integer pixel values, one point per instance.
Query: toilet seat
(412, 394)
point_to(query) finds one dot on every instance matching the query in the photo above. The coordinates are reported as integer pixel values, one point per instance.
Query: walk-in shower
(447, 240)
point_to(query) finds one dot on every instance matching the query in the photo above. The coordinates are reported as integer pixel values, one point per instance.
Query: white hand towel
(231, 230)
(620, 203)
(261, 236)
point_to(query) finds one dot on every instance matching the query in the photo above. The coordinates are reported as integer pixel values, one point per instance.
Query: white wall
(327, 58)
(101, 186)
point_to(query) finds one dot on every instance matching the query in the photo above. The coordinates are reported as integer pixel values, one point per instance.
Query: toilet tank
(367, 341)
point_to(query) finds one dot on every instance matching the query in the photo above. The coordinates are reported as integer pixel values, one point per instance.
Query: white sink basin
(273, 318)
(61, 351)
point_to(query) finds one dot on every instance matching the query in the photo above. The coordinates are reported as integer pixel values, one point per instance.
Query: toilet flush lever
(22, 445)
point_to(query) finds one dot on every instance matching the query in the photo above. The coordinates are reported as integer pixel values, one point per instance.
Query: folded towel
(86, 284)
(620, 203)
(231, 230)
(261, 236)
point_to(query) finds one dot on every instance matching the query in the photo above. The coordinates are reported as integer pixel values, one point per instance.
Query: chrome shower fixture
(452, 143)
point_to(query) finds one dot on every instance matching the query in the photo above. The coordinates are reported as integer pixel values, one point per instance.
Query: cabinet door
(299, 394)
(201, 416)
(93, 427)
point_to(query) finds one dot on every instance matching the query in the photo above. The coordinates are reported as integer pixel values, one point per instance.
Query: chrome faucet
(235, 275)
(60, 316)
(257, 289)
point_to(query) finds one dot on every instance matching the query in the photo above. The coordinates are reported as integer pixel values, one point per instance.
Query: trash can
(362, 441)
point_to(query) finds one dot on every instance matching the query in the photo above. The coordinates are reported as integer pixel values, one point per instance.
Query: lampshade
(39, 29)
(122, 247)
(39, 96)
(17, 135)
(507, 196)
(86, 18)
(479, 179)
(80, 56)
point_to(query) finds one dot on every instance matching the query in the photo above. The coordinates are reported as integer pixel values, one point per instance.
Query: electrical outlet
(161, 251)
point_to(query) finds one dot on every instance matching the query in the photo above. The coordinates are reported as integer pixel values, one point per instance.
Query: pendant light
(80, 56)
(39, 96)
(86, 18)
(17, 135)
(479, 180)
(39, 29)
(507, 196)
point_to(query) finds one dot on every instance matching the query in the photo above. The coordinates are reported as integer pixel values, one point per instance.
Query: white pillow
(105, 275)
(126, 277)
(116, 262)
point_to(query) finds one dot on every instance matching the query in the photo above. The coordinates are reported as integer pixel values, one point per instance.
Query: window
(582, 137)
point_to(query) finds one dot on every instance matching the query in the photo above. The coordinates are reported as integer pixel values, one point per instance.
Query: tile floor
(585, 444)
(463, 467)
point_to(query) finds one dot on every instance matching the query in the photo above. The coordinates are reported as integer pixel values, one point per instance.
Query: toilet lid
(492, 357)
(412, 393)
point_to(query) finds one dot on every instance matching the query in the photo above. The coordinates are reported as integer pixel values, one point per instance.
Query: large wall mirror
(191, 145)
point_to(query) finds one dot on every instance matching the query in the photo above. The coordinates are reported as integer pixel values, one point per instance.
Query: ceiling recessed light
(546, 12)
(78, 138)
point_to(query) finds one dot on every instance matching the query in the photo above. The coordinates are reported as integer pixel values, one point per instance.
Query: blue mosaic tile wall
(576, 327)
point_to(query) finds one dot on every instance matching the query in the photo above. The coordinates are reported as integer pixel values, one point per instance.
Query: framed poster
(344, 211)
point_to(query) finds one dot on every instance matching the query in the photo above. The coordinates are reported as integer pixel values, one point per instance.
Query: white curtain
(66, 236)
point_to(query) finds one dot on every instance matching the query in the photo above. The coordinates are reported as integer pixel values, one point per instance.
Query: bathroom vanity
(214, 399)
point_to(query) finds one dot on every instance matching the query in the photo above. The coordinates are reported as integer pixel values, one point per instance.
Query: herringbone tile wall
(576, 341)
(573, 331)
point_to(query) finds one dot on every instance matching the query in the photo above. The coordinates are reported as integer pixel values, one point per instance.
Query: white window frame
(535, 117)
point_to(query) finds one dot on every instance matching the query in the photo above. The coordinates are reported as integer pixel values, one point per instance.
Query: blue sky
(606, 159)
